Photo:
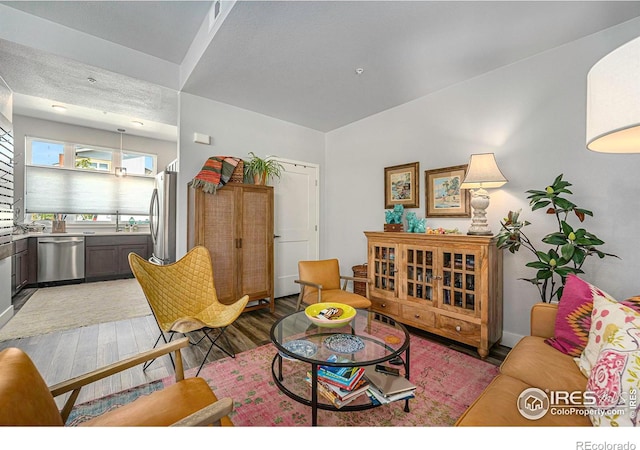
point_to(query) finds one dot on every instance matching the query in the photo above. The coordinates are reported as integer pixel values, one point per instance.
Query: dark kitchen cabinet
(19, 265)
(106, 257)
(100, 261)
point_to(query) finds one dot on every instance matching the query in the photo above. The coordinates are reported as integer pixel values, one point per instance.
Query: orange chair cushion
(338, 296)
(161, 408)
(24, 395)
(27, 401)
(325, 272)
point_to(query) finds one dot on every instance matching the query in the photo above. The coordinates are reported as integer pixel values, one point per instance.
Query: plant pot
(260, 179)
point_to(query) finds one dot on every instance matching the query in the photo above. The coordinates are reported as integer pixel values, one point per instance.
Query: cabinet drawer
(459, 328)
(418, 316)
(386, 307)
(20, 245)
(121, 239)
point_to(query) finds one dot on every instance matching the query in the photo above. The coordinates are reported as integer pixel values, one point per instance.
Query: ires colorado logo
(534, 403)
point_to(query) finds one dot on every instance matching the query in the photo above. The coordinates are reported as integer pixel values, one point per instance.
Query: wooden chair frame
(210, 415)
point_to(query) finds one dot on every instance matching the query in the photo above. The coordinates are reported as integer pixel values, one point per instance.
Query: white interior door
(296, 202)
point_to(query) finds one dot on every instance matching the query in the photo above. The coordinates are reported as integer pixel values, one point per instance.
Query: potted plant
(260, 170)
(570, 246)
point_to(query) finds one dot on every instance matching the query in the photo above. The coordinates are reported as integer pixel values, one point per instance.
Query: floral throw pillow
(615, 378)
(573, 320)
(607, 317)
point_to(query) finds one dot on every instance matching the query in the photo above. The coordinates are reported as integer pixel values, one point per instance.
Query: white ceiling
(293, 60)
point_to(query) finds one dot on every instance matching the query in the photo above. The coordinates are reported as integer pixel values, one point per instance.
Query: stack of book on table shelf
(384, 388)
(340, 385)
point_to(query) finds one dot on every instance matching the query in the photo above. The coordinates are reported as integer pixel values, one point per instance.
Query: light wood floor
(62, 355)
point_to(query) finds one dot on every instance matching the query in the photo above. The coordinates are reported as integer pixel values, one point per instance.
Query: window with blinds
(79, 180)
(68, 191)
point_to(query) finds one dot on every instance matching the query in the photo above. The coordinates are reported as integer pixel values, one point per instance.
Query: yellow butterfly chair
(320, 282)
(183, 298)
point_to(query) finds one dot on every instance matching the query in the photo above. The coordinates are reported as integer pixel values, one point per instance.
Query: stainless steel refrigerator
(162, 218)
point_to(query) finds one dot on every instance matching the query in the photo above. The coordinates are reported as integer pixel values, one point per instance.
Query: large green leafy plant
(569, 247)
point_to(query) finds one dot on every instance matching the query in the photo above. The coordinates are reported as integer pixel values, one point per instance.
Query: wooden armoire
(236, 225)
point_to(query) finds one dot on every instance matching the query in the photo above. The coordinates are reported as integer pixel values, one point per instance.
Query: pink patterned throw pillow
(609, 317)
(605, 380)
(615, 377)
(573, 320)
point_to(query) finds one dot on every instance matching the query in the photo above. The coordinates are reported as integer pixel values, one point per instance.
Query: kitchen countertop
(17, 237)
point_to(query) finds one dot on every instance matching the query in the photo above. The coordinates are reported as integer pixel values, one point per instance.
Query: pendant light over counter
(121, 171)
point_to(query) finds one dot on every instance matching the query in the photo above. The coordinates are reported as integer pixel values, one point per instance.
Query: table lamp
(482, 172)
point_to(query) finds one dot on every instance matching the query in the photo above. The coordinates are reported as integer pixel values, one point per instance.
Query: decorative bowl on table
(300, 347)
(330, 315)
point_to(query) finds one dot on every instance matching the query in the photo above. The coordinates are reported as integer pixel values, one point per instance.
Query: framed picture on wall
(402, 186)
(443, 194)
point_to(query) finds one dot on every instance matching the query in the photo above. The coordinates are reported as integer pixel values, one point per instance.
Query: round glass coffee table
(304, 346)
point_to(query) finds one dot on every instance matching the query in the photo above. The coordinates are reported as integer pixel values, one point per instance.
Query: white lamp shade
(483, 172)
(613, 101)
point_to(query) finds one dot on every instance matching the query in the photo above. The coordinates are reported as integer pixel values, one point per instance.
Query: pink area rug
(447, 383)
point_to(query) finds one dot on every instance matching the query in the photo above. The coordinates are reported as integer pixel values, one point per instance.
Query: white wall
(234, 132)
(28, 126)
(532, 116)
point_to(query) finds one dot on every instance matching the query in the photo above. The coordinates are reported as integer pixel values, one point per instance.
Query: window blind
(67, 191)
(6, 186)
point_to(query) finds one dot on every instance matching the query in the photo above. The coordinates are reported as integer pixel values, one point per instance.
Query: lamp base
(479, 203)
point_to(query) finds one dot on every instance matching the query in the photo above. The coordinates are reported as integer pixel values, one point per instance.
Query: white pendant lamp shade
(613, 101)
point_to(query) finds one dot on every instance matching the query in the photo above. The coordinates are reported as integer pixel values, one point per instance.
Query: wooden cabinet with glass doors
(450, 285)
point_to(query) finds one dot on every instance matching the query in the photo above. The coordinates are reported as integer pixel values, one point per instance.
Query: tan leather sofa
(531, 363)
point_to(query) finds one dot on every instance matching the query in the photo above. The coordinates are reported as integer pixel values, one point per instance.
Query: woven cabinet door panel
(257, 242)
(218, 235)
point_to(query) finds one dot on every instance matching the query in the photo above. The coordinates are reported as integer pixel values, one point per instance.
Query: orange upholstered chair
(320, 282)
(27, 400)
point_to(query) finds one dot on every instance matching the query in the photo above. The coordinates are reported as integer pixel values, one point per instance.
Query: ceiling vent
(214, 12)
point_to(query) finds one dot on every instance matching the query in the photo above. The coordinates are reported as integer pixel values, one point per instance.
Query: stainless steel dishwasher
(60, 258)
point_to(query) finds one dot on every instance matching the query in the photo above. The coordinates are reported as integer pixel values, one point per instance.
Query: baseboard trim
(510, 339)
(6, 315)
